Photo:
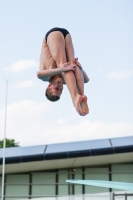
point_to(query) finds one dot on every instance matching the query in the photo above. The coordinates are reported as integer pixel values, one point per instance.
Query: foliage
(9, 143)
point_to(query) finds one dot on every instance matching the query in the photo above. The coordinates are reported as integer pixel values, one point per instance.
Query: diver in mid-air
(58, 65)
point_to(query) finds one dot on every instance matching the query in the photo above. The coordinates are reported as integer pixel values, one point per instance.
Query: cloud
(24, 84)
(120, 75)
(61, 121)
(87, 130)
(23, 65)
(23, 120)
(30, 123)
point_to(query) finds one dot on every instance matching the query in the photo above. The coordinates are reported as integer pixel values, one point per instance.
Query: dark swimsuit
(62, 30)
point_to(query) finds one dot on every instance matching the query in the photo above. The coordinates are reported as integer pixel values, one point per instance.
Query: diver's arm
(44, 74)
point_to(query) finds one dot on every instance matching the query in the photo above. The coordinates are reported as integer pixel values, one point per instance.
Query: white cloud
(24, 84)
(120, 75)
(23, 65)
(23, 120)
(30, 123)
(87, 130)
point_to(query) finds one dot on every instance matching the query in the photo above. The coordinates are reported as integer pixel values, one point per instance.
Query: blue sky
(102, 33)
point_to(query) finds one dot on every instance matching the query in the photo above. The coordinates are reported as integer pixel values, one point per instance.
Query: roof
(68, 150)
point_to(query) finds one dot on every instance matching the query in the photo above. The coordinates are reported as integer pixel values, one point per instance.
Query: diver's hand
(77, 62)
(67, 67)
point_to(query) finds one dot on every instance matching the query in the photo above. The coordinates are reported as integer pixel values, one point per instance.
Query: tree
(9, 143)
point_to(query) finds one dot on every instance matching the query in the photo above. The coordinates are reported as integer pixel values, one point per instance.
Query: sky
(102, 33)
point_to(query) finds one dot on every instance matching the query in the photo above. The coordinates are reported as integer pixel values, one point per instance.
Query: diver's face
(56, 86)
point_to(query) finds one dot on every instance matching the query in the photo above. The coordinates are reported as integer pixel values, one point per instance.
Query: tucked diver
(58, 65)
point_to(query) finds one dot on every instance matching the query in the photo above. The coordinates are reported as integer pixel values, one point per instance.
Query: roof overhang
(68, 163)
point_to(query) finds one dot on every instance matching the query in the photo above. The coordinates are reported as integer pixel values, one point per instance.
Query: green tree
(9, 143)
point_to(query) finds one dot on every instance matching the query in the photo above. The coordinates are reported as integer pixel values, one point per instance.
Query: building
(41, 171)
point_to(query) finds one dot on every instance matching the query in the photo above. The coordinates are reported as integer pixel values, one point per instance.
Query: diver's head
(54, 89)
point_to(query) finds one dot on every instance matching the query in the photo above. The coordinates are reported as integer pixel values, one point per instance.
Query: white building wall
(53, 185)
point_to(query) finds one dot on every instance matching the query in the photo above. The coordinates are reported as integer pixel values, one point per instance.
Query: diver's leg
(72, 87)
(56, 44)
(78, 73)
(70, 57)
(46, 59)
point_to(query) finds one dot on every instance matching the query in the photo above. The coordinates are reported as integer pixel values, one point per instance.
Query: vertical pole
(4, 145)
(56, 184)
(126, 196)
(113, 196)
(83, 186)
(110, 179)
(73, 186)
(30, 185)
(6, 78)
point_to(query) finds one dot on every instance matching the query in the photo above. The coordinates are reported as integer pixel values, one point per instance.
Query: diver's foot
(84, 105)
(77, 101)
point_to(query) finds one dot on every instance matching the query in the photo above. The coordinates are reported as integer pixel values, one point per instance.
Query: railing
(122, 195)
